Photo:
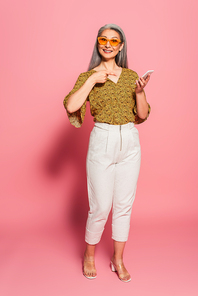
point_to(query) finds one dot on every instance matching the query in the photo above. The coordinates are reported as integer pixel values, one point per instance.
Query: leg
(89, 269)
(100, 184)
(100, 195)
(126, 176)
(117, 262)
(100, 190)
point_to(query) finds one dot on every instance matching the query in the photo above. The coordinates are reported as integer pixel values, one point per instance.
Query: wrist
(91, 81)
(139, 92)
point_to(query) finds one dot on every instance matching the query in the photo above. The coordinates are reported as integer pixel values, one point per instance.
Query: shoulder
(130, 73)
(85, 75)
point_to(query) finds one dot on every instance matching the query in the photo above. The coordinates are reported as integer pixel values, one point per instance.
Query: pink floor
(162, 259)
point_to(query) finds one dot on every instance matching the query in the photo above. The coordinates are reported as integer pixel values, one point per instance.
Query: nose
(108, 44)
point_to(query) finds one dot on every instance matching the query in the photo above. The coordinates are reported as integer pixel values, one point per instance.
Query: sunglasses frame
(119, 41)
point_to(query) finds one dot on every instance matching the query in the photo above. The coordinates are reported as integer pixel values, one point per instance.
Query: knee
(121, 209)
(102, 211)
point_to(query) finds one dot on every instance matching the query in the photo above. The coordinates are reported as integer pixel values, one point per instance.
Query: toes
(126, 278)
(86, 273)
(89, 273)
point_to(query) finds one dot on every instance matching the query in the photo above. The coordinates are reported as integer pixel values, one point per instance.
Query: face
(108, 51)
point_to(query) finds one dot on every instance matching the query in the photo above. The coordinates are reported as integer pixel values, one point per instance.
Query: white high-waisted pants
(113, 164)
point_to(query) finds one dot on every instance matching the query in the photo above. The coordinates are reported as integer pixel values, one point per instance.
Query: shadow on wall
(68, 158)
(67, 161)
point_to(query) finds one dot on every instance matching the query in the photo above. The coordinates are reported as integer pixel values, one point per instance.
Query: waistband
(115, 127)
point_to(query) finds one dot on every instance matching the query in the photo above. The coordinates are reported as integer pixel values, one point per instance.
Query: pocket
(98, 142)
(135, 141)
(91, 138)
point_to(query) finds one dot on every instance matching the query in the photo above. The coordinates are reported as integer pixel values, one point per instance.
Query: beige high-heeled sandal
(88, 277)
(114, 269)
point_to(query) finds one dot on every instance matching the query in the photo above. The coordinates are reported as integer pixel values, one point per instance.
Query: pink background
(45, 44)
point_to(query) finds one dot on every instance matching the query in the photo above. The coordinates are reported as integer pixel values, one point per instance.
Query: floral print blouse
(110, 102)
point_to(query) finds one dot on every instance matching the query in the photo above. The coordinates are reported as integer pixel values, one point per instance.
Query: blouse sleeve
(76, 118)
(139, 120)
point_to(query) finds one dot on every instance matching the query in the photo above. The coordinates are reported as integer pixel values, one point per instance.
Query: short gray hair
(121, 58)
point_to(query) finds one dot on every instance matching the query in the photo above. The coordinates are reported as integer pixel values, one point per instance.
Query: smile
(107, 51)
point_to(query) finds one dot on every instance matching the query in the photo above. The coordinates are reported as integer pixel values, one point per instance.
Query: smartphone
(147, 73)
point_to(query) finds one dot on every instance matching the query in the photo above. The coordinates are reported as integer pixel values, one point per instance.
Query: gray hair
(120, 59)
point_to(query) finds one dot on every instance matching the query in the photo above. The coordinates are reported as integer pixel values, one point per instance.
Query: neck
(109, 65)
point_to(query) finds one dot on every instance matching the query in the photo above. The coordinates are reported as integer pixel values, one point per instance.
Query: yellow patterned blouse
(110, 102)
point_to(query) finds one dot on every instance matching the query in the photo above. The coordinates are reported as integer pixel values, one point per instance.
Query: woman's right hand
(101, 76)
(77, 99)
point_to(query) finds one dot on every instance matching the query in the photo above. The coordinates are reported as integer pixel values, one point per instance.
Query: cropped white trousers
(113, 164)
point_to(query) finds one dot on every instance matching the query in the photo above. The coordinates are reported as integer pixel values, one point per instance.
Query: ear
(121, 47)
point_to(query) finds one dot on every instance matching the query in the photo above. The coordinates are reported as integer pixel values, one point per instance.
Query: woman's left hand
(141, 83)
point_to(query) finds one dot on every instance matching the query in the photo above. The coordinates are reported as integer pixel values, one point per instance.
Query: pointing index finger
(111, 73)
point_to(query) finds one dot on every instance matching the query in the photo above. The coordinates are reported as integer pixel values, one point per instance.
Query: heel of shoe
(112, 267)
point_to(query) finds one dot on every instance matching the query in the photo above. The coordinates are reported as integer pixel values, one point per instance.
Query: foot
(118, 266)
(89, 269)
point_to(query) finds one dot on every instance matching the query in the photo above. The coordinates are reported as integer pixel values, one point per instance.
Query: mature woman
(117, 101)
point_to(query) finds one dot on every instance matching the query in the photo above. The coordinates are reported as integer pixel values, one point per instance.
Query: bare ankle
(89, 251)
(88, 257)
(117, 258)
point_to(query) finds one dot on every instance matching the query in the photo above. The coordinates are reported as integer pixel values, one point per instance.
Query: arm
(77, 99)
(141, 102)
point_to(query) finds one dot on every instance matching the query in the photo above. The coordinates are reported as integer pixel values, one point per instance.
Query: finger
(137, 83)
(147, 78)
(141, 83)
(142, 80)
(111, 73)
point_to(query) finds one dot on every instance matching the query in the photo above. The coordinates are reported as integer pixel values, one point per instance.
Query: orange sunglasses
(112, 41)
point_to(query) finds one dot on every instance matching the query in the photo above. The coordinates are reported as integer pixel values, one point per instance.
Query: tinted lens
(102, 40)
(114, 42)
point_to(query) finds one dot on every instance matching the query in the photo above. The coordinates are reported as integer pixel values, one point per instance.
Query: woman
(117, 101)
